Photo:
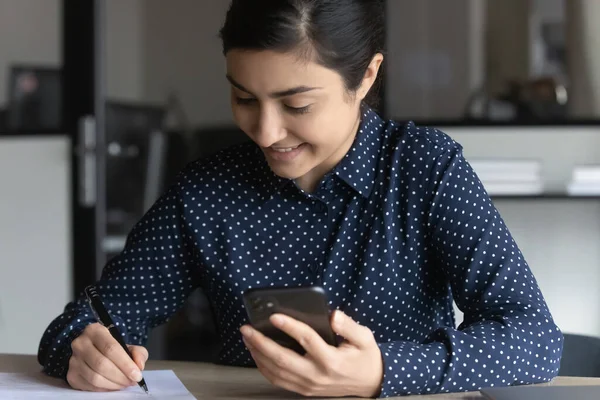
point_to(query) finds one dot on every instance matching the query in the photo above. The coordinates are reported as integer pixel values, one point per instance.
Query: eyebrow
(275, 95)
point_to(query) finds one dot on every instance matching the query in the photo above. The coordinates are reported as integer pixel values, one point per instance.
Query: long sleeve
(141, 288)
(508, 336)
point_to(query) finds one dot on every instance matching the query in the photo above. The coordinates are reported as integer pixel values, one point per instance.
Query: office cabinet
(35, 237)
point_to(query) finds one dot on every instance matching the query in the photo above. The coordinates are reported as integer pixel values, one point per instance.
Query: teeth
(286, 150)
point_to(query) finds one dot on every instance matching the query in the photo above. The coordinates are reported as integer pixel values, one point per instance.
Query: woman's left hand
(355, 368)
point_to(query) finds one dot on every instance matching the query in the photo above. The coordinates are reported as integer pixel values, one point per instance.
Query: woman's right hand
(100, 364)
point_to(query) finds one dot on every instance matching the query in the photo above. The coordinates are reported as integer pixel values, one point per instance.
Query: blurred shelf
(544, 196)
(32, 133)
(114, 244)
(476, 123)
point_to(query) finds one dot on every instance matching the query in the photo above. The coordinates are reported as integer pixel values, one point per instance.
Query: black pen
(104, 318)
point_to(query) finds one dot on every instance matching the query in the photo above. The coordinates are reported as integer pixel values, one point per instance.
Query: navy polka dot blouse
(396, 232)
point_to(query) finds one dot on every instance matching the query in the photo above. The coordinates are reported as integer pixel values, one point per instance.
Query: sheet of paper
(162, 385)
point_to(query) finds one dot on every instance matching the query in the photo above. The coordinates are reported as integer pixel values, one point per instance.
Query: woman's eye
(245, 100)
(251, 100)
(298, 110)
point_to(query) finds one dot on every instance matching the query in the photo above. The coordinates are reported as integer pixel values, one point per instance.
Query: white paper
(162, 385)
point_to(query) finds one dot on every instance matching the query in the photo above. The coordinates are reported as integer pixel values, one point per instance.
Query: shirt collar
(358, 168)
(267, 181)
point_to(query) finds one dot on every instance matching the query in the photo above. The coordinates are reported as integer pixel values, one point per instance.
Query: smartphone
(307, 304)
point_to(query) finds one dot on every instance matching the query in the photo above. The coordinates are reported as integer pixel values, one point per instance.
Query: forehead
(270, 71)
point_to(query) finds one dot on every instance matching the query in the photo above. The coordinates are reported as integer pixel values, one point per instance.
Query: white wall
(434, 62)
(183, 55)
(125, 49)
(30, 33)
(507, 42)
(549, 10)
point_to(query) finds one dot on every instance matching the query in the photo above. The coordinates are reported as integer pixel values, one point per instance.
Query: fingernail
(247, 331)
(277, 320)
(136, 375)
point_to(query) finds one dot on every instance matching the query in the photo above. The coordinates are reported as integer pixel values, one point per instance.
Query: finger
(353, 332)
(85, 350)
(94, 379)
(281, 357)
(77, 382)
(308, 338)
(112, 350)
(284, 381)
(264, 363)
(140, 355)
(102, 365)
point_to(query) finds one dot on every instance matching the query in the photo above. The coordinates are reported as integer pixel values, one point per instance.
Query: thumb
(352, 331)
(140, 355)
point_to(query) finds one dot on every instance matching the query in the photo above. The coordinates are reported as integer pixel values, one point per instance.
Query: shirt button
(320, 207)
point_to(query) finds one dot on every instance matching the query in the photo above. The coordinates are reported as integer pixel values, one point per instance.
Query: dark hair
(342, 35)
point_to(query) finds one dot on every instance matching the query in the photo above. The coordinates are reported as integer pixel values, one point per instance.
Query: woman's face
(298, 112)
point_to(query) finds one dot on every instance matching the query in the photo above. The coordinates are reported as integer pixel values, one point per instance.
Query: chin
(287, 172)
(284, 173)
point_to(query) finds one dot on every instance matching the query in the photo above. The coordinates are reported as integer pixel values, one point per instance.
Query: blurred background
(103, 101)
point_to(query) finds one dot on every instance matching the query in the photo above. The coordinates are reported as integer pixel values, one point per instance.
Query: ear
(370, 76)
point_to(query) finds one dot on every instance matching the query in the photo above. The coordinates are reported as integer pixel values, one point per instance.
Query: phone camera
(256, 301)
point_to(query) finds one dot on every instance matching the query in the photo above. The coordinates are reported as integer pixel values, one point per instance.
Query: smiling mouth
(285, 149)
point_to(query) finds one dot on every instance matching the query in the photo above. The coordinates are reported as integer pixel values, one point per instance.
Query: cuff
(411, 368)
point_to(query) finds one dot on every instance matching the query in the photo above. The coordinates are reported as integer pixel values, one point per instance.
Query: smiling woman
(388, 218)
(299, 113)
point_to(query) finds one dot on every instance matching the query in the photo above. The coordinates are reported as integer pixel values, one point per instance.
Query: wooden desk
(208, 381)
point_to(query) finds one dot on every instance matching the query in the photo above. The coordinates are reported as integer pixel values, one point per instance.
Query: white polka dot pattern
(400, 228)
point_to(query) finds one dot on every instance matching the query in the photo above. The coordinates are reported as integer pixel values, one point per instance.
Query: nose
(269, 127)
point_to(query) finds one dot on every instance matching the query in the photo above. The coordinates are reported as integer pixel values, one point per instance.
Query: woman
(388, 217)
